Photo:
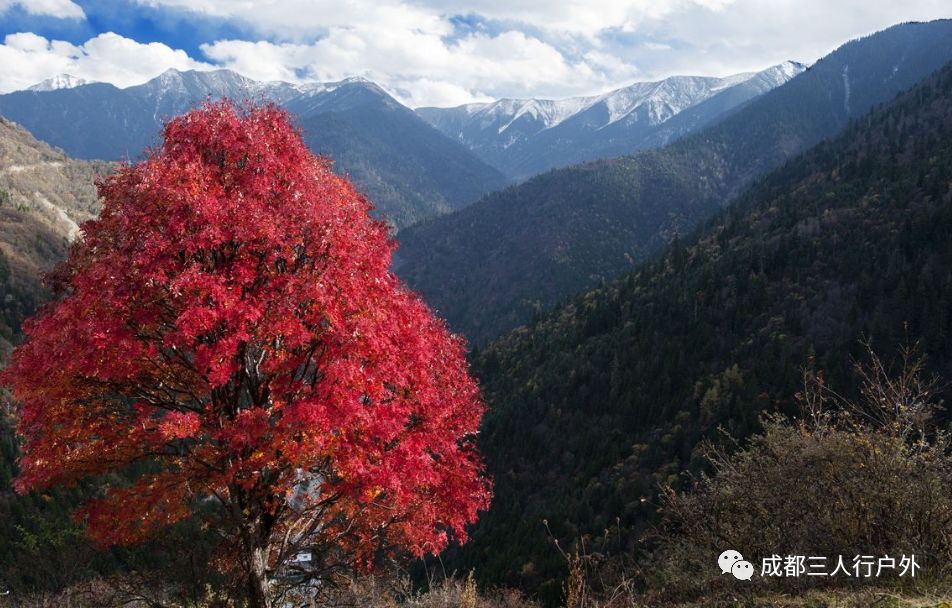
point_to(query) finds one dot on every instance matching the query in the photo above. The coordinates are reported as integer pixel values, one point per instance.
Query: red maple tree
(230, 319)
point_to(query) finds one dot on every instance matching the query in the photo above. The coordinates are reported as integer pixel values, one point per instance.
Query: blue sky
(433, 52)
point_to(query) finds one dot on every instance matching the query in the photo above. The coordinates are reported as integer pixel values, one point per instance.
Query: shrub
(870, 476)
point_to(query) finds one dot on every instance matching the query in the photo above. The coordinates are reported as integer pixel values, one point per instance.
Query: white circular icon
(742, 570)
(727, 560)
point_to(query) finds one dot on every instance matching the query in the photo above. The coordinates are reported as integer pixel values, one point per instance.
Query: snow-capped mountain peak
(777, 75)
(586, 126)
(653, 102)
(546, 111)
(61, 81)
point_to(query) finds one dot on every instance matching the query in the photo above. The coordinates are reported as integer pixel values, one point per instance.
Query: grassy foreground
(828, 599)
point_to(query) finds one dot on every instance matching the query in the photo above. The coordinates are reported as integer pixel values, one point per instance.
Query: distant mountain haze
(522, 137)
(410, 169)
(416, 172)
(495, 264)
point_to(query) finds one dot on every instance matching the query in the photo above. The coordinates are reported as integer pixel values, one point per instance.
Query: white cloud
(425, 92)
(301, 19)
(534, 47)
(422, 67)
(582, 17)
(28, 59)
(751, 34)
(291, 18)
(433, 52)
(62, 9)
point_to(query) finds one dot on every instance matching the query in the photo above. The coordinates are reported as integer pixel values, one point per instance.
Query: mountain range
(623, 310)
(598, 403)
(497, 263)
(409, 169)
(523, 137)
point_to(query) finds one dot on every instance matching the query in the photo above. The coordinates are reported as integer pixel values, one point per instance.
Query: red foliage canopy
(231, 317)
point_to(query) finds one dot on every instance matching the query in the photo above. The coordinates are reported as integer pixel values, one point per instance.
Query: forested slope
(495, 264)
(598, 402)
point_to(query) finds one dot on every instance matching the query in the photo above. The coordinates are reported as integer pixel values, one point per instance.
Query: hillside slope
(597, 403)
(44, 196)
(493, 265)
(407, 169)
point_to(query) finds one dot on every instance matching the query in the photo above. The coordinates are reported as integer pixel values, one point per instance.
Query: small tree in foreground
(228, 336)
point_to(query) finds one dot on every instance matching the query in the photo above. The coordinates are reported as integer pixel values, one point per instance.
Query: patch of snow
(548, 112)
(846, 88)
(472, 108)
(62, 81)
(661, 100)
(666, 98)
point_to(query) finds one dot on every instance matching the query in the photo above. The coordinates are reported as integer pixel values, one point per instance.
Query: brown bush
(866, 477)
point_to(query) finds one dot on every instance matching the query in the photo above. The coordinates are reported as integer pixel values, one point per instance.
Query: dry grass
(383, 592)
(822, 599)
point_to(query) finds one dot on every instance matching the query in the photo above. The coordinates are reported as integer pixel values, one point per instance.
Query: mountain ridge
(407, 184)
(495, 264)
(527, 136)
(598, 403)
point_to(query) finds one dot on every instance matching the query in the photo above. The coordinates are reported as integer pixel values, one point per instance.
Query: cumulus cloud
(433, 52)
(423, 68)
(302, 19)
(582, 17)
(28, 58)
(62, 9)
(538, 48)
(746, 35)
(289, 18)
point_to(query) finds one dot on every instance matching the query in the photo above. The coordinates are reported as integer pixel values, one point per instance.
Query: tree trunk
(258, 587)
(254, 529)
